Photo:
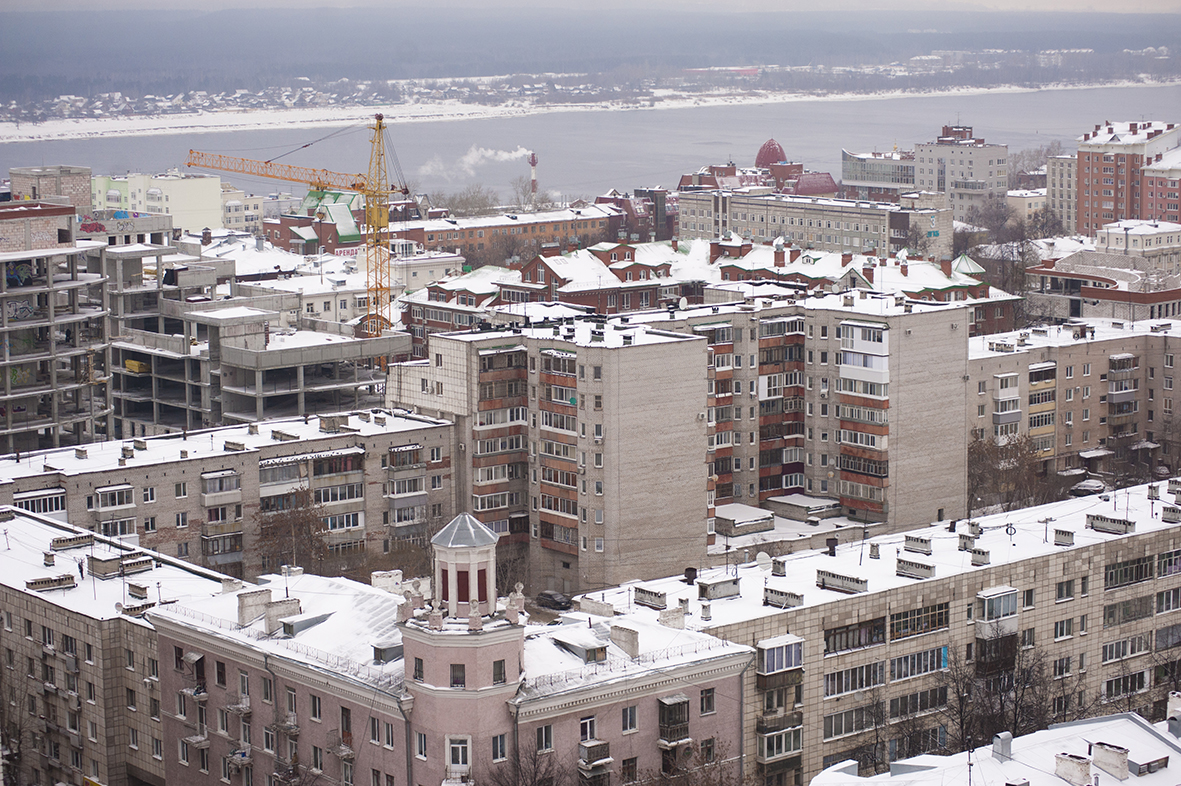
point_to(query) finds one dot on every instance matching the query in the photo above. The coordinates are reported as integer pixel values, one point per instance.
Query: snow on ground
(428, 111)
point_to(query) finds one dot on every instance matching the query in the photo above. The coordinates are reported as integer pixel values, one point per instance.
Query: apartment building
(1159, 193)
(582, 443)
(309, 678)
(1097, 396)
(965, 168)
(1113, 184)
(858, 647)
(81, 673)
(880, 177)
(240, 211)
(824, 396)
(193, 200)
(1025, 202)
(880, 228)
(374, 476)
(57, 359)
(1061, 190)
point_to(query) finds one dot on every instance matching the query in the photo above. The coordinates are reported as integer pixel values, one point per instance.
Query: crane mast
(374, 186)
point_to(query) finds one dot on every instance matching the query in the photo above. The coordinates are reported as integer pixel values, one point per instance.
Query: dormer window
(614, 257)
(627, 255)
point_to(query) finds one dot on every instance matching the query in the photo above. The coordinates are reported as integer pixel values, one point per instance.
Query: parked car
(1086, 488)
(552, 599)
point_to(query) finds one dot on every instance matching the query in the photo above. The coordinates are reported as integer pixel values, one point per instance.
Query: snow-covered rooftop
(29, 537)
(804, 570)
(1040, 337)
(202, 446)
(1033, 758)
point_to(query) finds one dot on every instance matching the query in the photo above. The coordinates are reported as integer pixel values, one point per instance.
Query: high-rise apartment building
(830, 396)
(1112, 181)
(584, 443)
(965, 168)
(1061, 190)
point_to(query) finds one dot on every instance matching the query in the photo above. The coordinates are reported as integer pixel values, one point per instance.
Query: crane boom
(319, 179)
(376, 189)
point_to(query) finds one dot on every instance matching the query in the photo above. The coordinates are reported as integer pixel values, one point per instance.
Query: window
(1066, 589)
(1027, 599)
(629, 771)
(182, 490)
(317, 758)
(586, 728)
(291, 704)
(149, 494)
(916, 622)
(458, 675)
(629, 719)
(498, 676)
(267, 689)
(859, 677)
(418, 669)
(420, 745)
(545, 738)
(499, 749)
(316, 708)
(182, 520)
(1064, 628)
(707, 701)
(183, 752)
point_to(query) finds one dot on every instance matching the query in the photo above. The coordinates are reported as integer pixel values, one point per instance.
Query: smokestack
(532, 178)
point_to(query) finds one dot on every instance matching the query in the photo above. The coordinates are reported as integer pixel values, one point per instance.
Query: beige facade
(374, 477)
(584, 443)
(1061, 191)
(194, 201)
(882, 624)
(969, 171)
(844, 225)
(81, 673)
(1097, 396)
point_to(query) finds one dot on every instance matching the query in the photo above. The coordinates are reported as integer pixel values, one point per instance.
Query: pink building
(377, 685)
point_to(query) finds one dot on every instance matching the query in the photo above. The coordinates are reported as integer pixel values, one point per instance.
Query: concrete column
(490, 570)
(299, 396)
(453, 590)
(258, 399)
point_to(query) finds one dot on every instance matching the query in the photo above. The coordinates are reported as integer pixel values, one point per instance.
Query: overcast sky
(1120, 6)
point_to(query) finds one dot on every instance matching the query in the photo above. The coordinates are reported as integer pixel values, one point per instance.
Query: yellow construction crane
(376, 189)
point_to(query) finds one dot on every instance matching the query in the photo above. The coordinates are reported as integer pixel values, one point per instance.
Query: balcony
(340, 744)
(673, 734)
(288, 725)
(593, 754)
(768, 723)
(198, 741)
(240, 757)
(238, 705)
(779, 679)
(197, 691)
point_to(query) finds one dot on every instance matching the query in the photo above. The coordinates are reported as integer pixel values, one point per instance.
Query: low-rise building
(1025, 202)
(311, 677)
(372, 477)
(844, 225)
(193, 200)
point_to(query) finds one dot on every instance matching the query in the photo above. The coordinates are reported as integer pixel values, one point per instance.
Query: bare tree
(1045, 223)
(1011, 473)
(474, 200)
(712, 763)
(18, 731)
(1030, 159)
(528, 767)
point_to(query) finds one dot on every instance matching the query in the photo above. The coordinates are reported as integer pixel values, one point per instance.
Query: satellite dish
(684, 304)
(764, 560)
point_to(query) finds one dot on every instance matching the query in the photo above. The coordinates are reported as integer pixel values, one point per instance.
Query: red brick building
(1113, 184)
